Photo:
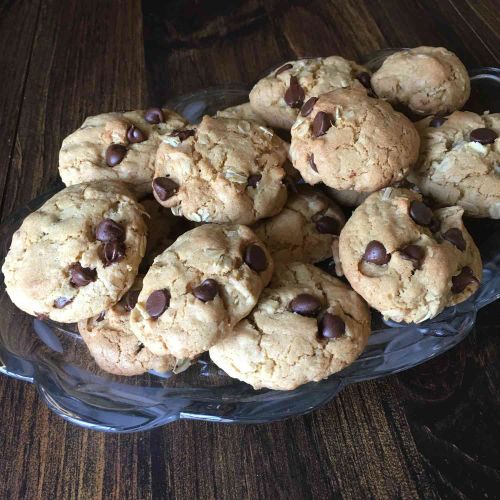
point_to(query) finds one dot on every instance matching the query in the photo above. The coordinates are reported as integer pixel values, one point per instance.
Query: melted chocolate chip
(285, 67)
(327, 225)
(437, 121)
(460, 282)
(294, 95)
(115, 154)
(164, 188)
(483, 135)
(129, 300)
(158, 303)
(109, 230)
(305, 304)
(182, 134)
(455, 236)
(255, 258)
(414, 253)
(112, 251)
(207, 290)
(154, 116)
(376, 253)
(308, 106)
(321, 123)
(135, 135)
(310, 159)
(81, 276)
(365, 79)
(61, 302)
(331, 326)
(253, 180)
(420, 213)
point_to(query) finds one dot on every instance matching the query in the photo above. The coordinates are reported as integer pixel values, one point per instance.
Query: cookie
(459, 162)
(426, 80)
(304, 230)
(279, 96)
(229, 171)
(113, 345)
(306, 326)
(78, 253)
(199, 288)
(347, 197)
(241, 112)
(405, 260)
(350, 140)
(117, 146)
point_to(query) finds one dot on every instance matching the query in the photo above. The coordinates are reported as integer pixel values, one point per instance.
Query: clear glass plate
(54, 358)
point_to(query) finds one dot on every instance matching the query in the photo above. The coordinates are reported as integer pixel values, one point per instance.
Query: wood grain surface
(431, 432)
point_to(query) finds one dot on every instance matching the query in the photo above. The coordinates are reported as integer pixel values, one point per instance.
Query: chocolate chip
(414, 253)
(109, 230)
(455, 236)
(434, 225)
(290, 183)
(182, 134)
(331, 326)
(483, 135)
(305, 304)
(115, 154)
(460, 282)
(61, 302)
(157, 303)
(255, 258)
(308, 106)
(207, 290)
(81, 276)
(164, 188)
(112, 251)
(101, 316)
(365, 79)
(420, 213)
(327, 225)
(253, 180)
(154, 116)
(129, 300)
(437, 121)
(321, 123)
(285, 67)
(376, 253)
(310, 159)
(294, 95)
(135, 135)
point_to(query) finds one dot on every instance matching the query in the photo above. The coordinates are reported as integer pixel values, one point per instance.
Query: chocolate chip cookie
(349, 140)
(78, 253)
(241, 112)
(118, 146)
(459, 162)
(199, 288)
(305, 229)
(426, 80)
(279, 97)
(405, 260)
(306, 326)
(227, 171)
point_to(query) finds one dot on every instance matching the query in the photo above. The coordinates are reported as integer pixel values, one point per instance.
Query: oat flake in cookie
(117, 146)
(199, 288)
(280, 96)
(408, 261)
(353, 141)
(78, 253)
(229, 171)
(306, 326)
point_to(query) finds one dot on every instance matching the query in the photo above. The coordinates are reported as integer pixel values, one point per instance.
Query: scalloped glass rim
(54, 358)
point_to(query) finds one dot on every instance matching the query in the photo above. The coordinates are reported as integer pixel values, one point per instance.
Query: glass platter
(54, 358)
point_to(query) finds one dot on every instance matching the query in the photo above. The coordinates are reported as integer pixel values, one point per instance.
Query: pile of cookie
(173, 239)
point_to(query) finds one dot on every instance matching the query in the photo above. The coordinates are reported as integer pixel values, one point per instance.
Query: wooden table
(430, 432)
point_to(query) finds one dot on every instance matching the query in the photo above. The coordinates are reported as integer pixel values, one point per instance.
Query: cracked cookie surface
(113, 345)
(58, 268)
(207, 281)
(305, 229)
(400, 266)
(454, 168)
(278, 348)
(427, 80)
(229, 171)
(85, 155)
(315, 76)
(352, 141)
